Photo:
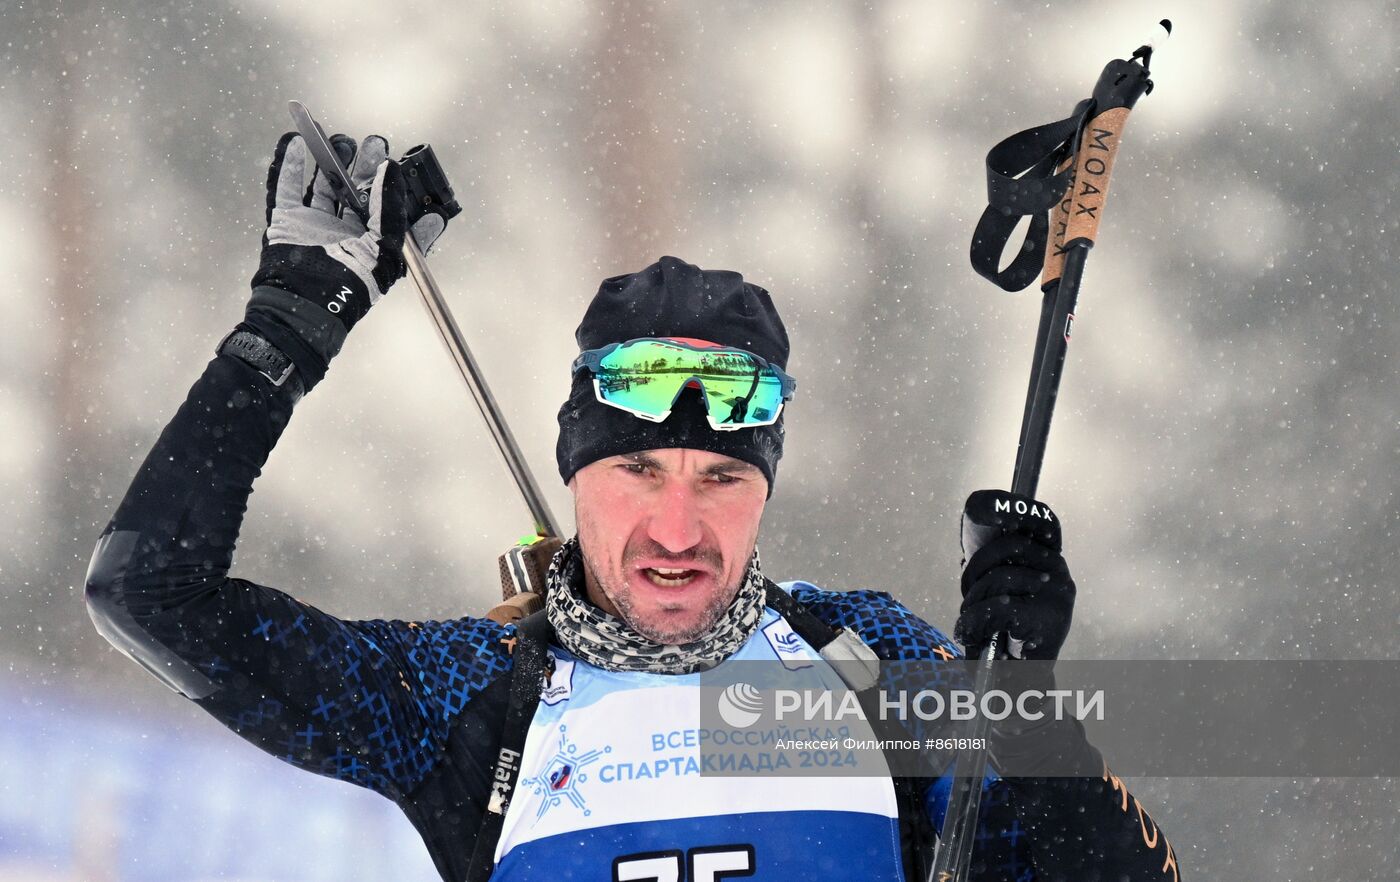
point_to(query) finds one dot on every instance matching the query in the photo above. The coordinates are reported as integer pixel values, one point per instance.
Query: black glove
(321, 268)
(1013, 579)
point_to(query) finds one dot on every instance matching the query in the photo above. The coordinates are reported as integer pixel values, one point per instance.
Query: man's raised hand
(322, 268)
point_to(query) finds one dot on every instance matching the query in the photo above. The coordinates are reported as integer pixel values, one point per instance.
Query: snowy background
(1223, 453)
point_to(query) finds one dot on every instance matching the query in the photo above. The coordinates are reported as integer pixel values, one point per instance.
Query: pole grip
(1084, 201)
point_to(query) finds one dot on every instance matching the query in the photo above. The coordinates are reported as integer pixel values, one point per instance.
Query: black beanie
(671, 298)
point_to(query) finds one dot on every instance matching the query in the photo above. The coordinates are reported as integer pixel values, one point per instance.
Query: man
(669, 441)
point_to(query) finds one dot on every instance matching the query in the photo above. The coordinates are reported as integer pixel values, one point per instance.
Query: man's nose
(675, 524)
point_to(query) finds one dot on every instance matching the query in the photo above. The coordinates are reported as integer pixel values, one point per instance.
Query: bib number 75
(709, 863)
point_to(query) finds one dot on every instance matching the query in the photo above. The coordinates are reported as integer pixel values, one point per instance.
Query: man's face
(666, 536)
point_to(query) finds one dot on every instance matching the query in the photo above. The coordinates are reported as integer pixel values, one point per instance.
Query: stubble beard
(622, 599)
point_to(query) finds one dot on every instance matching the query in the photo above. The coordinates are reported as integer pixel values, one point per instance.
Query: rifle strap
(530, 661)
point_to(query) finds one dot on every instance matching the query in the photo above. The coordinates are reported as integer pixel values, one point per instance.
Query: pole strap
(1027, 175)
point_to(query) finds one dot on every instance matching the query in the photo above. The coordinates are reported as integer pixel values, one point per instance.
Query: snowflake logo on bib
(561, 775)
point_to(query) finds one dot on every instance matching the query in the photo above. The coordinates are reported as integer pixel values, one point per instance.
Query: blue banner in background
(96, 794)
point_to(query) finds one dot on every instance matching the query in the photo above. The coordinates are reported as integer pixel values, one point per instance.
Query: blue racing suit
(609, 781)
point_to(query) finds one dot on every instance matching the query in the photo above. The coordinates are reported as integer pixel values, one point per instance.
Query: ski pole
(1074, 172)
(522, 568)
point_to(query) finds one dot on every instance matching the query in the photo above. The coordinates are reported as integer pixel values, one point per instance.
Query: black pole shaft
(953, 858)
(1040, 402)
(1047, 309)
(443, 322)
(1119, 87)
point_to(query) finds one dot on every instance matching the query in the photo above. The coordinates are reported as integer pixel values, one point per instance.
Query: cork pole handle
(1089, 190)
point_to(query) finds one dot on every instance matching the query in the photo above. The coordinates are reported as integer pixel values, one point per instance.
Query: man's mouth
(666, 577)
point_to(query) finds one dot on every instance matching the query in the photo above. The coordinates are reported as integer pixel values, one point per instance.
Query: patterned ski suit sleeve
(1041, 829)
(369, 702)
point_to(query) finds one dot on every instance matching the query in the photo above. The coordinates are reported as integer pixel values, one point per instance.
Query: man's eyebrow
(729, 467)
(733, 467)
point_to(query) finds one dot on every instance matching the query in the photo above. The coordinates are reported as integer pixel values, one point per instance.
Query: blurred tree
(1292, 527)
(127, 108)
(889, 333)
(630, 142)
